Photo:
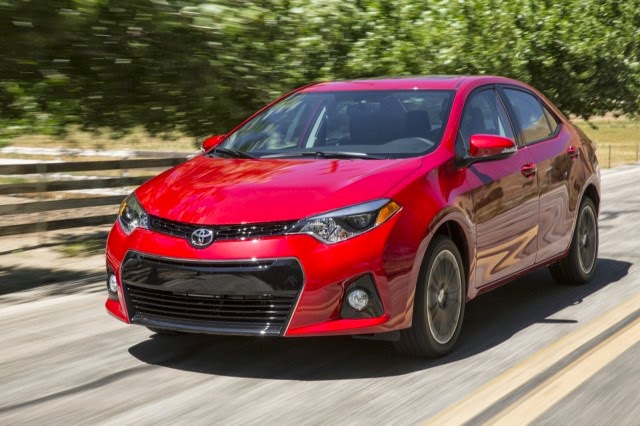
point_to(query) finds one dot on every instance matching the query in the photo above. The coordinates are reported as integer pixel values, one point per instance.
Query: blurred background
(103, 80)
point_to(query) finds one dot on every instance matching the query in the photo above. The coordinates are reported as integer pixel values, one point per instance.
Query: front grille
(266, 312)
(222, 232)
(254, 297)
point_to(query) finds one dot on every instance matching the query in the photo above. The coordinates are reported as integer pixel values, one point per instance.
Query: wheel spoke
(441, 272)
(439, 321)
(452, 295)
(433, 304)
(583, 227)
(448, 271)
(432, 299)
(451, 276)
(451, 315)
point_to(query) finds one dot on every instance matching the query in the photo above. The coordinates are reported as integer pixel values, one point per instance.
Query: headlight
(340, 225)
(132, 215)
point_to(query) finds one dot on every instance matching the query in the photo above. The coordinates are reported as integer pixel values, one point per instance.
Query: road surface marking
(535, 403)
(492, 392)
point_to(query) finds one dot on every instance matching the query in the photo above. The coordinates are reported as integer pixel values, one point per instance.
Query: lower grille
(253, 314)
(247, 298)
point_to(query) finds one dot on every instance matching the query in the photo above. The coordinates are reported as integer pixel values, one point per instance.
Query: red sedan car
(365, 207)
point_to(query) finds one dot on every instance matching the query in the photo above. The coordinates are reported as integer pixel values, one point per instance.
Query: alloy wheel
(444, 297)
(587, 239)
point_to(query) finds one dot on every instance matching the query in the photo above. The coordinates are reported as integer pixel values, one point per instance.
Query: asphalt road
(533, 351)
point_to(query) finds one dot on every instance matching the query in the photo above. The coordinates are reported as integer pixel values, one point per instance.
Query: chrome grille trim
(222, 232)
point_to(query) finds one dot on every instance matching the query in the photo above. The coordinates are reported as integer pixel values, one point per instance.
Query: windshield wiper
(324, 154)
(233, 153)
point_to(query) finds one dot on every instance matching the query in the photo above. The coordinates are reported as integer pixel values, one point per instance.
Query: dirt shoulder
(60, 261)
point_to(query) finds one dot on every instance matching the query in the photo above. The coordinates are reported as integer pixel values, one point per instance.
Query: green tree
(199, 67)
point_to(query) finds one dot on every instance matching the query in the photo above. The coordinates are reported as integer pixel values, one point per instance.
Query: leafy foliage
(199, 67)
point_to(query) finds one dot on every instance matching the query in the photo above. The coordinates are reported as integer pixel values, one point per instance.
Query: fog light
(358, 299)
(112, 284)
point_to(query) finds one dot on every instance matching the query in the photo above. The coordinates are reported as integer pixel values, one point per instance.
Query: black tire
(164, 331)
(580, 264)
(442, 285)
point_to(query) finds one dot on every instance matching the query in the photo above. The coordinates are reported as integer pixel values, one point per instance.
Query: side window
(484, 114)
(530, 115)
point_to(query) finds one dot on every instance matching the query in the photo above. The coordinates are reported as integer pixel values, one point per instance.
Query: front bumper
(288, 285)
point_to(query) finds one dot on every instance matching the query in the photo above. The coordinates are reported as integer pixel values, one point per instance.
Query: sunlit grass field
(617, 139)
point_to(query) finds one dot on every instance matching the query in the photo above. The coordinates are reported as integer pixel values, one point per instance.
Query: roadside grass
(85, 247)
(90, 174)
(138, 139)
(54, 158)
(12, 179)
(617, 139)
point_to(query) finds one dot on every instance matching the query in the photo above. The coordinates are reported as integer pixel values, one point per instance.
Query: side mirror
(488, 148)
(211, 141)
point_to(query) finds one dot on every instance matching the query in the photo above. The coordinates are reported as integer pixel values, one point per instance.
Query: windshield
(367, 124)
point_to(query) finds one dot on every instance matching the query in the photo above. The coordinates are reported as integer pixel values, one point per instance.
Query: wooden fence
(45, 185)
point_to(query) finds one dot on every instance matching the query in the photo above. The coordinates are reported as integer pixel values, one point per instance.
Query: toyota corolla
(369, 207)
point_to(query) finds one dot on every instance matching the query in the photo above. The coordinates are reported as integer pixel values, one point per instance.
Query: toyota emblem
(202, 237)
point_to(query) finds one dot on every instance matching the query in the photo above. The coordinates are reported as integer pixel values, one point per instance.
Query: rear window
(530, 116)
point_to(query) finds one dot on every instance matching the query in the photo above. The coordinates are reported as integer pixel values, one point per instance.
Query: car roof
(437, 82)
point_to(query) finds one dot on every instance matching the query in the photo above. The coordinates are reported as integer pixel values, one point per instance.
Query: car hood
(208, 190)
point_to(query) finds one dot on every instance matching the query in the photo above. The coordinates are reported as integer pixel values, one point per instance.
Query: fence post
(42, 177)
(609, 163)
(637, 146)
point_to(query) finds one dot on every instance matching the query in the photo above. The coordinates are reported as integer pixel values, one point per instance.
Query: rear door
(555, 152)
(504, 194)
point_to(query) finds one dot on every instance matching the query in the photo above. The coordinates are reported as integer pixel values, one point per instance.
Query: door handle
(572, 152)
(529, 170)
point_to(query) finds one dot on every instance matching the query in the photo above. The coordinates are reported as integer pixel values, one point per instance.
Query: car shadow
(490, 320)
(96, 242)
(52, 281)
(51, 275)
